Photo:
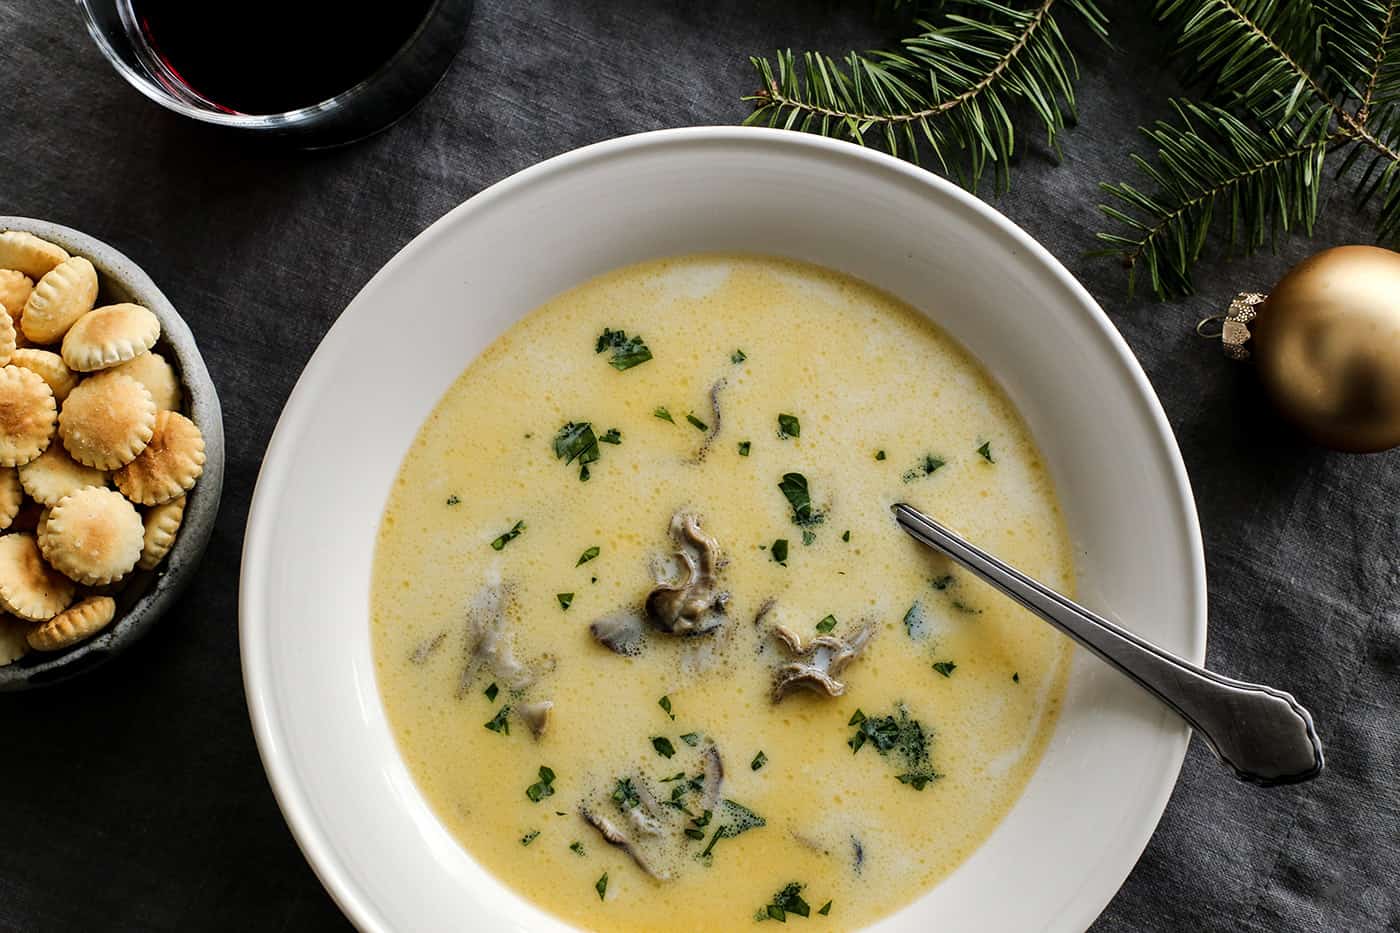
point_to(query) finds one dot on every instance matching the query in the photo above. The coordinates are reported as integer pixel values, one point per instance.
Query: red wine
(271, 56)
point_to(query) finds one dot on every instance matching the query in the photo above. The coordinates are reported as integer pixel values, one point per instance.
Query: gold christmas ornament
(1326, 342)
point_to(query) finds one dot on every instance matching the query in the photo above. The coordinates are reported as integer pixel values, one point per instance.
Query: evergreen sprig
(948, 89)
(1285, 85)
(1282, 86)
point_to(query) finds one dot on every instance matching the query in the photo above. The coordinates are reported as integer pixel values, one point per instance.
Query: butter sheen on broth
(862, 373)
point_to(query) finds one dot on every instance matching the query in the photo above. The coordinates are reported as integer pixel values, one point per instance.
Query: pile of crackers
(95, 455)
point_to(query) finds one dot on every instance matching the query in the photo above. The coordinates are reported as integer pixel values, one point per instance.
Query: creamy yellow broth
(863, 373)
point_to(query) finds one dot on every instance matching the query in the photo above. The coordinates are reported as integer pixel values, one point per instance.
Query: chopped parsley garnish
(588, 555)
(565, 599)
(961, 606)
(915, 625)
(499, 722)
(857, 718)
(825, 909)
(625, 795)
(699, 425)
(529, 837)
(508, 536)
(738, 356)
(678, 776)
(491, 692)
(542, 788)
(943, 582)
(787, 901)
(576, 847)
(613, 436)
(694, 833)
(665, 703)
(926, 467)
(663, 746)
(779, 550)
(826, 624)
(738, 819)
(759, 761)
(663, 414)
(808, 536)
(986, 451)
(901, 734)
(691, 738)
(454, 499)
(744, 447)
(945, 668)
(846, 536)
(626, 351)
(879, 455)
(576, 441)
(1016, 677)
(601, 886)
(789, 426)
(794, 489)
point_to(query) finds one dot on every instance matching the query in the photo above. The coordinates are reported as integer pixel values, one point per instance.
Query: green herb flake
(693, 833)
(926, 467)
(945, 668)
(826, 624)
(759, 761)
(529, 837)
(787, 901)
(508, 536)
(738, 819)
(1016, 677)
(454, 499)
(491, 692)
(789, 426)
(588, 555)
(825, 909)
(905, 737)
(626, 351)
(576, 441)
(663, 414)
(879, 455)
(794, 488)
(857, 718)
(846, 536)
(542, 788)
(808, 537)
(779, 551)
(986, 451)
(565, 600)
(665, 703)
(499, 722)
(576, 847)
(961, 606)
(744, 448)
(625, 794)
(943, 582)
(738, 356)
(601, 886)
(663, 746)
(691, 738)
(699, 425)
(915, 624)
(613, 436)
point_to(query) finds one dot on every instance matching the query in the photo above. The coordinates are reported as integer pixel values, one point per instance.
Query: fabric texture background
(134, 798)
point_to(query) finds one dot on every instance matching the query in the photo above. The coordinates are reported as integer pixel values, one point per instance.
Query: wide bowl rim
(205, 410)
(296, 806)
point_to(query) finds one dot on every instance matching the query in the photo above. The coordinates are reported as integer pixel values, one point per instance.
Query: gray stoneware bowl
(150, 592)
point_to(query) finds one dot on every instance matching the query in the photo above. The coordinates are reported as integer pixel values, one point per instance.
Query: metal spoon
(1260, 732)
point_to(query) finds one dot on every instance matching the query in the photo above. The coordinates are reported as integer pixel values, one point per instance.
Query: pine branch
(1286, 94)
(1212, 165)
(950, 88)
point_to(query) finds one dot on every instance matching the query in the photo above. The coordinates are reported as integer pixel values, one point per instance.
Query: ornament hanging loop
(1211, 328)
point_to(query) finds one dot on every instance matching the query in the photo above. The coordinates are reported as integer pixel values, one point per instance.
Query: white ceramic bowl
(1070, 841)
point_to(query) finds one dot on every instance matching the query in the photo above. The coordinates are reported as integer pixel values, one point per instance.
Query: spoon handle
(1262, 733)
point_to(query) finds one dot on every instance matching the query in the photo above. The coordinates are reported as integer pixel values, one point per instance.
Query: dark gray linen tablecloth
(134, 799)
